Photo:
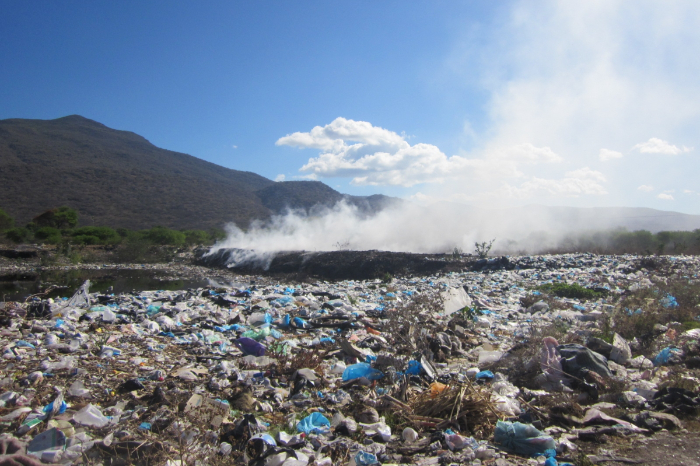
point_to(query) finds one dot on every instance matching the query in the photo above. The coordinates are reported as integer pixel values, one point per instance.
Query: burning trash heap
(522, 365)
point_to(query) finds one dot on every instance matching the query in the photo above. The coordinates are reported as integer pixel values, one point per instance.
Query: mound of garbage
(520, 365)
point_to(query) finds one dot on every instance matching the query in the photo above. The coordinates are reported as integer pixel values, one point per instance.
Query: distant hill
(304, 194)
(119, 179)
(602, 218)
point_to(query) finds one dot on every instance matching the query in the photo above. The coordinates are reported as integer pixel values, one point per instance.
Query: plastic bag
(414, 367)
(315, 423)
(90, 415)
(251, 347)
(484, 375)
(665, 355)
(361, 369)
(523, 439)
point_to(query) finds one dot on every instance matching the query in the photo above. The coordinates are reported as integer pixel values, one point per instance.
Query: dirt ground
(663, 448)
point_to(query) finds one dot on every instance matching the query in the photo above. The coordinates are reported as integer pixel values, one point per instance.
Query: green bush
(17, 235)
(217, 234)
(574, 291)
(164, 236)
(6, 222)
(196, 237)
(102, 235)
(48, 235)
(86, 240)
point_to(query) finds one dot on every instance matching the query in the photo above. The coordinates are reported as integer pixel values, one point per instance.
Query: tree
(61, 218)
(6, 222)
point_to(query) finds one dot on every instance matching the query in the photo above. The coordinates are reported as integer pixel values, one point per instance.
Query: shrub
(17, 235)
(48, 235)
(86, 239)
(482, 249)
(6, 222)
(95, 235)
(165, 236)
(574, 291)
(196, 237)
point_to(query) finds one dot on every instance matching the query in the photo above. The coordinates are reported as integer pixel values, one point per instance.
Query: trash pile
(498, 366)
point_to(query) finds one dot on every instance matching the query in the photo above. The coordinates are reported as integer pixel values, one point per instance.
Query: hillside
(303, 194)
(119, 179)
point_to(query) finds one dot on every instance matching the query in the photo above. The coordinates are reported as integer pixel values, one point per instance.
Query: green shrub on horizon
(49, 235)
(6, 221)
(193, 237)
(17, 235)
(95, 235)
(164, 236)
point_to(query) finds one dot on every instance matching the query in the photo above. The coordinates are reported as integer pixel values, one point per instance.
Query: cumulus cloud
(659, 146)
(280, 177)
(646, 188)
(607, 154)
(665, 197)
(371, 155)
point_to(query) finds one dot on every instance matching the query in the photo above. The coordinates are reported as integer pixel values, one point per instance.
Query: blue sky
(491, 103)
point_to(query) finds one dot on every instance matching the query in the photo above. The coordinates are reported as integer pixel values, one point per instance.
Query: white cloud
(688, 191)
(375, 156)
(659, 146)
(607, 154)
(586, 173)
(234, 146)
(280, 177)
(665, 197)
(646, 188)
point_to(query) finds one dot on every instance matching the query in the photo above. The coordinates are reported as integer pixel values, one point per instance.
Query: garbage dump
(542, 362)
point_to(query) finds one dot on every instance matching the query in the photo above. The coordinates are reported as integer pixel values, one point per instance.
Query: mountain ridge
(118, 178)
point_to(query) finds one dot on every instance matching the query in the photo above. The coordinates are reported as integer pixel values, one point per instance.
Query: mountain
(572, 219)
(304, 194)
(119, 179)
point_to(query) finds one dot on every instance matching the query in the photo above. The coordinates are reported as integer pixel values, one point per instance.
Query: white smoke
(406, 228)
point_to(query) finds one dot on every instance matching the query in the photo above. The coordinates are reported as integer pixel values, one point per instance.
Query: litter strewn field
(537, 360)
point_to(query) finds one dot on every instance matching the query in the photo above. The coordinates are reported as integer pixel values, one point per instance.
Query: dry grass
(464, 407)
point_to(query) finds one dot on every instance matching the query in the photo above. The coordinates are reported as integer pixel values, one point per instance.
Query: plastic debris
(523, 439)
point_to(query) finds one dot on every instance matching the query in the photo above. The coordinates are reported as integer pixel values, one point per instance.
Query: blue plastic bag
(523, 439)
(363, 458)
(665, 355)
(669, 301)
(49, 407)
(300, 323)
(414, 367)
(314, 423)
(361, 369)
(484, 375)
